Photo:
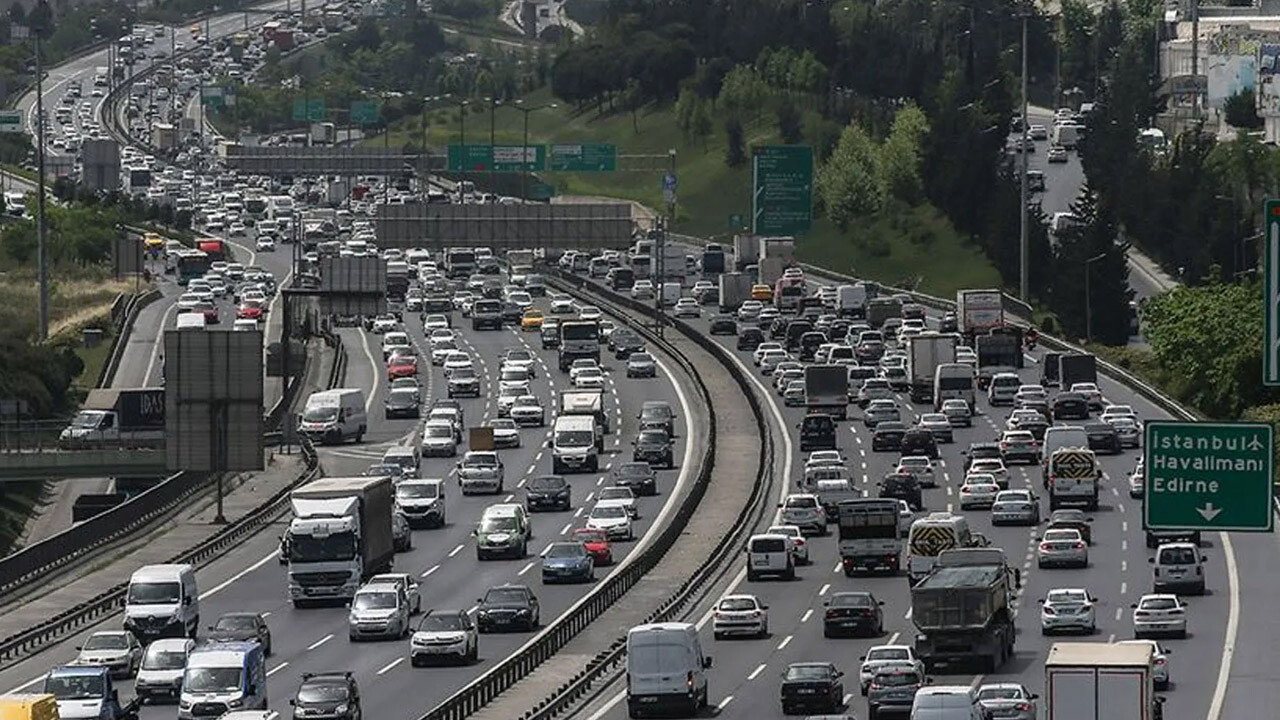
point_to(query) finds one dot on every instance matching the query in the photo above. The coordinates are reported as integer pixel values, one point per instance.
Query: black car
(948, 324)
(437, 304)
(403, 403)
(626, 343)
(508, 607)
(511, 313)
(1037, 429)
(550, 336)
(242, 626)
(796, 329)
(817, 432)
(918, 441)
(1103, 437)
(724, 325)
(329, 696)
(750, 339)
(653, 447)
(809, 343)
(981, 451)
(903, 486)
(853, 613)
(463, 382)
(1070, 406)
(1072, 520)
(888, 436)
(639, 476)
(657, 415)
(812, 686)
(548, 492)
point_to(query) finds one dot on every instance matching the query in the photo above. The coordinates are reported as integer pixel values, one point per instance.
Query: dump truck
(111, 417)
(925, 352)
(330, 517)
(1100, 681)
(962, 609)
(826, 390)
(735, 288)
(999, 352)
(978, 312)
(1077, 368)
(869, 537)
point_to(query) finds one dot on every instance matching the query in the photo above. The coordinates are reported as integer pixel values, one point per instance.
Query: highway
(249, 578)
(744, 681)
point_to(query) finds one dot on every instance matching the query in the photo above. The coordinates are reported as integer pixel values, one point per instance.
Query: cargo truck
(746, 251)
(925, 353)
(881, 309)
(735, 288)
(397, 279)
(962, 609)
(674, 266)
(999, 352)
(826, 390)
(118, 418)
(579, 339)
(851, 301)
(323, 133)
(1077, 368)
(782, 248)
(713, 261)
(1100, 681)
(590, 403)
(869, 536)
(978, 312)
(769, 270)
(340, 536)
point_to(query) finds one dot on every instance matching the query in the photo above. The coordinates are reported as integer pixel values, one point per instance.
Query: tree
(1091, 248)
(734, 153)
(685, 108)
(901, 156)
(700, 122)
(788, 116)
(710, 76)
(742, 92)
(631, 100)
(1241, 111)
(847, 181)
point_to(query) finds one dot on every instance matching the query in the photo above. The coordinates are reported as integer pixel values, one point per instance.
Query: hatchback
(740, 615)
(1159, 614)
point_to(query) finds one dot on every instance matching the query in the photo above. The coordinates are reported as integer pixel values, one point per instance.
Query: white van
(573, 445)
(947, 702)
(191, 321)
(671, 293)
(162, 601)
(1004, 386)
(244, 324)
(954, 381)
(334, 416)
(223, 675)
(163, 664)
(1057, 438)
(666, 669)
(771, 555)
(851, 301)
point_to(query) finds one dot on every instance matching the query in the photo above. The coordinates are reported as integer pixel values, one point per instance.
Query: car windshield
(737, 604)
(481, 461)
(1067, 596)
(161, 659)
(74, 687)
(652, 437)
(374, 601)
(608, 511)
(236, 622)
(1061, 535)
(515, 375)
(106, 642)
(802, 502)
(564, 550)
(322, 692)
(1177, 556)
(439, 431)
(412, 490)
(808, 672)
(1159, 603)
(441, 623)
(506, 596)
(1000, 693)
(590, 536)
(897, 679)
(503, 424)
(501, 523)
(889, 654)
(162, 593)
(851, 600)
(211, 679)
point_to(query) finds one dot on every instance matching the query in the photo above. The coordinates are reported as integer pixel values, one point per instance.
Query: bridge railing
(45, 436)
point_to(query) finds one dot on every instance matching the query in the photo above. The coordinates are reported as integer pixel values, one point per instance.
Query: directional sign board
(364, 112)
(781, 189)
(583, 158)
(497, 158)
(308, 110)
(11, 121)
(1271, 295)
(1208, 476)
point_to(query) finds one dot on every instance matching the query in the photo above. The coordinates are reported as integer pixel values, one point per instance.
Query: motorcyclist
(1031, 337)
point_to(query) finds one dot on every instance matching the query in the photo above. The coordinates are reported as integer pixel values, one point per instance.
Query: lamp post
(44, 16)
(1088, 297)
(524, 147)
(493, 115)
(1024, 255)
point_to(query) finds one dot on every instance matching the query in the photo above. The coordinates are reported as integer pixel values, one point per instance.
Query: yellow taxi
(763, 293)
(152, 241)
(531, 320)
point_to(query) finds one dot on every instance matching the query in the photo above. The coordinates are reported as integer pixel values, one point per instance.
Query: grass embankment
(917, 247)
(73, 305)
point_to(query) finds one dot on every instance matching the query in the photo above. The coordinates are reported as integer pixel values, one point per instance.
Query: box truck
(331, 516)
(925, 353)
(735, 288)
(978, 312)
(746, 251)
(826, 390)
(118, 418)
(1100, 681)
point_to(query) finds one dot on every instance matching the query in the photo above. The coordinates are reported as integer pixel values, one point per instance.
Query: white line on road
(823, 590)
(567, 527)
(526, 568)
(807, 614)
(1119, 612)
(756, 673)
(386, 668)
(320, 642)
(720, 706)
(430, 570)
(785, 641)
(277, 668)
(1124, 588)
(455, 551)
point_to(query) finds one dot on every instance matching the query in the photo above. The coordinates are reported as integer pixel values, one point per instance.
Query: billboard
(1229, 75)
(213, 400)
(1269, 80)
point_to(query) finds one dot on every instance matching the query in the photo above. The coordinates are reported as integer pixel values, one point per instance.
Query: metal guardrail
(121, 340)
(517, 666)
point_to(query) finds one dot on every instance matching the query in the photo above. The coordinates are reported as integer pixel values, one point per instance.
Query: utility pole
(1024, 260)
(1088, 297)
(42, 254)
(1195, 59)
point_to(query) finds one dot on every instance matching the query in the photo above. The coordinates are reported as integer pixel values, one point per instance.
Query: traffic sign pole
(1208, 476)
(1271, 295)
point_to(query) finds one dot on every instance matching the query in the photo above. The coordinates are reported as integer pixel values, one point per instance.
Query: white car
(993, 467)
(621, 496)
(505, 433)
(764, 349)
(528, 410)
(920, 466)
(1068, 609)
(750, 310)
(906, 516)
(1159, 614)
(1030, 394)
(824, 458)
(442, 350)
(116, 650)
(686, 308)
(189, 301)
(384, 324)
(457, 360)
(581, 365)
(432, 323)
(1111, 411)
(1018, 417)
(1159, 662)
(770, 361)
(589, 378)
(882, 657)
(1091, 393)
(978, 491)
(562, 305)
(264, 243)
(642, 290)
(405, 582)
(740, 615)
(507, 394)
(439, 439)
(443, 634)
(589, 312)
(613, 520)
(799, 546)
(519, 359)
(393, 340)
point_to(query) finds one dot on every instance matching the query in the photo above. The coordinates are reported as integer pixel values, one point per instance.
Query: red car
(597, 544)
(249, 310)
(210, 312)
(402, 366)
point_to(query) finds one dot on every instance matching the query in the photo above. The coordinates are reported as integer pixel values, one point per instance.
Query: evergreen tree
(1092, 248)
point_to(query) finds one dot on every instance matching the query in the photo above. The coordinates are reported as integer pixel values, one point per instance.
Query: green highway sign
(1271, 294)
(10, 121)
(540, 191)
(781, 189)
(1208, 476)
(364, 112)
(497, 158)
(583, 158)
(308, 110)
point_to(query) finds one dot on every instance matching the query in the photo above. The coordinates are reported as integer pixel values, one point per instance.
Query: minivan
(223, 675)
(666, 670)
(1004, 386)
(573, 444)
(947, 702)
(770, 555)
(162, 601)
(334, 416)
(503, 530)
(1178, 568)
(163, 664)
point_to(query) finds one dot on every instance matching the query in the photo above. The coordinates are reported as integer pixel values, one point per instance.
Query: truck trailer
(735, 289)
(962, 609)
(925, 353)
(826, 390)
(1100, 681)
(978, 312)
(1077, 368)
(340, 536)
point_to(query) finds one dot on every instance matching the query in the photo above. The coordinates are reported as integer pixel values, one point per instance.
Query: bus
(931, 535)
(189, 265)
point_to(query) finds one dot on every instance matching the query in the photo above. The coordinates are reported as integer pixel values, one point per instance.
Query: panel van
(573, 445)
(335, 416)
(163, 664)
(191, 321)
(162, 601)
(222, 676)
(666, 670)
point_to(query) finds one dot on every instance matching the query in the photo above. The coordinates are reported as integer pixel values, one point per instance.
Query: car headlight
(341, 710)
(235, 703)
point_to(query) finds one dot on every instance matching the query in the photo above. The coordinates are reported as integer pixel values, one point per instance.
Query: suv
(657, 415)
(981, 451)
(508, 607)
(442, 633)
(503, 529)
(770, 555)
(1178, 568)
(328, 695)
(654, 447)
(818, 432)
(919, 441)
(903, 486)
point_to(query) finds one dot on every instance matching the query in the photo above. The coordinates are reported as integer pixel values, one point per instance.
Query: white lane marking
(823, 590)
(455, 551)
(320, 642)
(430, 570)
(719, 706)
(526, 568)
(893, 639)
(1119, 612)
(756, 673)
(908, 615)
(807, 614)
(1233, 626)
(277, 668)
(1124, 545)
(567, 527)
(785, 641)
(847, 698)
(1124, 588)
(373, 366)
(387, 668)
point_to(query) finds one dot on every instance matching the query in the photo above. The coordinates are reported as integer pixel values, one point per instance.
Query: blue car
(567, 562)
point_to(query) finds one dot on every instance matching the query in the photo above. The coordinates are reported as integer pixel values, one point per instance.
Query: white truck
(128, 418)
(340, 536)
(1100, 681)
(735, 289)
(769, 270)
(783, 248)
(925, 352)
(674, 265)
(746, 251)
(978, 312)
(869, 536)
(826, 390)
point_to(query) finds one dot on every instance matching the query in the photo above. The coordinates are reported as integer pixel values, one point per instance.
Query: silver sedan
(1062, 548)
(1008, 701)
(1015, 507)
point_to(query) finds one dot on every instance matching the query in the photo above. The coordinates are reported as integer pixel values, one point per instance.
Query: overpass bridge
(32, 451)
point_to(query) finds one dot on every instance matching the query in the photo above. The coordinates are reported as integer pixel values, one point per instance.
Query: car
(1137, 483)
(567, 561)
(1062, 548)
(234, 626)
(531, 320)
(1178, 566)
(463, 382)
(1159, 662)
(403, 403)
(749, 339)
(442, 350)
(527, 411)
(481, 467)
(740, 615)
(1104, 437)
(444, 633)
(804, 511)
(918, 441)
(653, 446)
(920, 466)
(1008, 701)
(771, 359)
(401, 536)
(978, 491)
(439, 439)
(939, 425)
(639, 477)
(519, 359)
(1092, 394)
(879, 411)
(794, 394)
(506, 434)
(1015, 507)
(799, 546)
(405, 583)
(595, 542)
(1128, 430)
(264, 243)
(324, 694)
(880, 658)
(1029, 394)
(724, 325)
(902, 486)
(561, 305)
(641, 365)
(906, 516)
(625, 344)
(812, 686)
(957, 412)
(1070, 406)
(642, 290)
(1159, 614)
(457, 360)
(888, 436)
(580, 366)
(893, 690)
(1068, 609)
(657, 415)
(1019, 445)
(1057, 154)
(435, 321)
(853, 613)
(687, 307)
(621, 496)
(993, 467)
(765, 348)
(1114, 411)
(613, 520)
(1038, 132)
(508, 392)
(508, 607)
(1070, 518)
(117, 650)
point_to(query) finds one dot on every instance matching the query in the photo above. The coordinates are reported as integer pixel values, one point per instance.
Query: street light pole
(524, 148)
(493, 115)
(1024, 260)
(1088, 297)
(42, 255)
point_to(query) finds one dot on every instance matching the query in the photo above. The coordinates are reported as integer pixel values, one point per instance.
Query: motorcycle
(1030, 342)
